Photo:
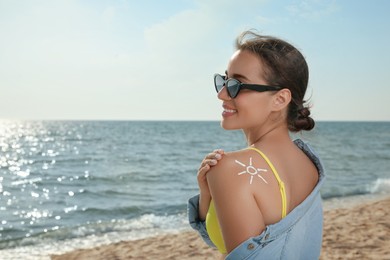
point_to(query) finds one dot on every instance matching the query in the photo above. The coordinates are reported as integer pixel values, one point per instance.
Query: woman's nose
(223, 94)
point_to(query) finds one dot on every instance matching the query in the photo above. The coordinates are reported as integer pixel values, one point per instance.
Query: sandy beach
(358, 232)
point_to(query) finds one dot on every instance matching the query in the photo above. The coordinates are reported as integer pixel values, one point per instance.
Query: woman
(262, 202)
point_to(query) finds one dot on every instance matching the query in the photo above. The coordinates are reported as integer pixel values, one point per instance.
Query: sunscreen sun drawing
(252, 171)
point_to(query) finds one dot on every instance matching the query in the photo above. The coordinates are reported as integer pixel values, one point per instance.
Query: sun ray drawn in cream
(251, 170)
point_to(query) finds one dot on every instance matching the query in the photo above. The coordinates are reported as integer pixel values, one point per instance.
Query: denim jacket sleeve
(195, 222)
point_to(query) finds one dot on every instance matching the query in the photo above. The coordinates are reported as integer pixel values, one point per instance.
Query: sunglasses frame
(255, 87)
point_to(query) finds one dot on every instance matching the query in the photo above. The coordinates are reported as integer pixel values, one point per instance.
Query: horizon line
(172, 120)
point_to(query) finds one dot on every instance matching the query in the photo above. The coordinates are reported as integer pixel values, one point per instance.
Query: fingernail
(218, 156)
(213, 162)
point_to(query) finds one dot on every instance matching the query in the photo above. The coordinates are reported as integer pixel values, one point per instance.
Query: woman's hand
(204, 199)
(209, 161)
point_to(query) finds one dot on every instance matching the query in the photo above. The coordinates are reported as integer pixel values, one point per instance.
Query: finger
(203, 170)
(204, 163)
(211, 162)
(210, 155)
(220, 151)
(217, 154)
(207, 159)
(208, 162)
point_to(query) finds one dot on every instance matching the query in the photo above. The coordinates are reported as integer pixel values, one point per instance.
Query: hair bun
(303, 112)
(303, 120)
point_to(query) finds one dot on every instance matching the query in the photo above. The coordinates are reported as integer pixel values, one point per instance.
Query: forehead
(245, 63)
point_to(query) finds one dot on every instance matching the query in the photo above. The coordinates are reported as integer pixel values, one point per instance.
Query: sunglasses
(233, 86)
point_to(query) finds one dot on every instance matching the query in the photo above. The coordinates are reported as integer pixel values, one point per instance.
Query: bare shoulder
(242, 169)
(229, 168)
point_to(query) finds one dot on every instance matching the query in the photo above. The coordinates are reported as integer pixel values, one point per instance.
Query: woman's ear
(281, 99)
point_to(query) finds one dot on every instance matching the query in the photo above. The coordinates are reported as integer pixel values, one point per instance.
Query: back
(263, 205)
(298, 236)
(299, 175)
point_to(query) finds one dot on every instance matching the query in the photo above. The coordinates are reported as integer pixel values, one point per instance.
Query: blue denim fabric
(297, 236)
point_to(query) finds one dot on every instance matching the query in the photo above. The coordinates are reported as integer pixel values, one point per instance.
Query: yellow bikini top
(212, 224)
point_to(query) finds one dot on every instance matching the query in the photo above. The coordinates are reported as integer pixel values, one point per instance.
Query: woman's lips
(228, 111)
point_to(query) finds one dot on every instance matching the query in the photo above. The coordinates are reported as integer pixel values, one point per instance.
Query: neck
(273, 135)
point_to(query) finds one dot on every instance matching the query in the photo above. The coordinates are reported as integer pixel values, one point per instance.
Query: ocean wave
(343, 194)
(107, 211)
(95, 234)
(378, 186)
(381, 185)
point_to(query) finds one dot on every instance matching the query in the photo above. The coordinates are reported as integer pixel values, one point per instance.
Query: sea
(66, 185)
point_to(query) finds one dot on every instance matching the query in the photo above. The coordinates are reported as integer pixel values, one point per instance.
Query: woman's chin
(225, 124)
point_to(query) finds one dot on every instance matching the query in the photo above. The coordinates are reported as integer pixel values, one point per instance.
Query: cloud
(76, 60)
(313, 9)
(201, 38)
(184, 50)
(183, 42)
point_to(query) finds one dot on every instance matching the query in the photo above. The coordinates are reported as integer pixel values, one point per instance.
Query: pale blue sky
(154, 60)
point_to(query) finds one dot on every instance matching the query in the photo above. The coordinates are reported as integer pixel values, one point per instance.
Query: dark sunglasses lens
(233, 87)
(219, 81)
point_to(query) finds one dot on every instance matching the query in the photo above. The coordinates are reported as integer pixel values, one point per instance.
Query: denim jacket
(297, 236)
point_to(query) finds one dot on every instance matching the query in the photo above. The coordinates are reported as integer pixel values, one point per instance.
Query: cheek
(254, 107)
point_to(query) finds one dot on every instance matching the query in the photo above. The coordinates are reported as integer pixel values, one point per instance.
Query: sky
(154, 60)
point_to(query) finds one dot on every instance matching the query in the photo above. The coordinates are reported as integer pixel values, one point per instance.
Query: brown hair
(285, 66)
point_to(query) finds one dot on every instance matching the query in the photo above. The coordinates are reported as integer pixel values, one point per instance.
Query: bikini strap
(280, 182)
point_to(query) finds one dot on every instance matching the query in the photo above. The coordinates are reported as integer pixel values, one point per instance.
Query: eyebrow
(237, 76)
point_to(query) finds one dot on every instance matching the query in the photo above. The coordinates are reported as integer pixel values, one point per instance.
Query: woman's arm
(198, 205)
(204, 193)
(238, 213)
